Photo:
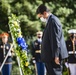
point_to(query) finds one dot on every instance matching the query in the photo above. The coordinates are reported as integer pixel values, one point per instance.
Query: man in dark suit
(53, 48)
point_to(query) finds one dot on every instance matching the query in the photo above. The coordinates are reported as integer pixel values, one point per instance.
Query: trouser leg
(53, 69)
(6, 70)
(49, 69)
(38, 67)
(72, 68)
(42, 68)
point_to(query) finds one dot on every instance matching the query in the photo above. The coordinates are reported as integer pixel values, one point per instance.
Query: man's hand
(57, 61)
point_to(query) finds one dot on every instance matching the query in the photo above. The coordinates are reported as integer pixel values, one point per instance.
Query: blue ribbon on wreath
(22, 43)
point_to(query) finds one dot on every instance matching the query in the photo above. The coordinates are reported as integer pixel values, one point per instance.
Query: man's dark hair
(41, 9)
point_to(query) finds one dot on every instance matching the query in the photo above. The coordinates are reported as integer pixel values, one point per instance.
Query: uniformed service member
(36, 52)
(71, 47)
(4, 48)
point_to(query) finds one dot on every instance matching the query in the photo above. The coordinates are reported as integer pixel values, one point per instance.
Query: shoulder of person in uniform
(7, 46)
(68, 40)
(1, 45)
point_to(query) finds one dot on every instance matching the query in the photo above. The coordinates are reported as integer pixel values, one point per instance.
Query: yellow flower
(27, 63)
(19, 34)
(15, 23)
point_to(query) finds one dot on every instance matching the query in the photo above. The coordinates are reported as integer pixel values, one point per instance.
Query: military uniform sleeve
(33, 50)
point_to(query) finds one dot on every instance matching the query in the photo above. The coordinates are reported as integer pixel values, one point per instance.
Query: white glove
(34, 61)
(66, 64)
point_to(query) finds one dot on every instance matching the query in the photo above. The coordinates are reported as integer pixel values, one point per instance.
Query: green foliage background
(25, 10)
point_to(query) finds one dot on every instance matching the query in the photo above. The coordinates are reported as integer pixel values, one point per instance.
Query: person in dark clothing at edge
(4, 48)
(53, 48)
(71, 47)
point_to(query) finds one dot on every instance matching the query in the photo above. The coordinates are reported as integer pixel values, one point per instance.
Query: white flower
(19, 30)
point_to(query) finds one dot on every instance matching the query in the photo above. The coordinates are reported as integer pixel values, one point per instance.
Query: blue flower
(22, 43)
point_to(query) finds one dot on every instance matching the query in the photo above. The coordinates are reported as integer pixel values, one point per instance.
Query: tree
(26, 12)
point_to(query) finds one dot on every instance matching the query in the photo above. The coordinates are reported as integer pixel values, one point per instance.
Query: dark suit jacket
(53, 44)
